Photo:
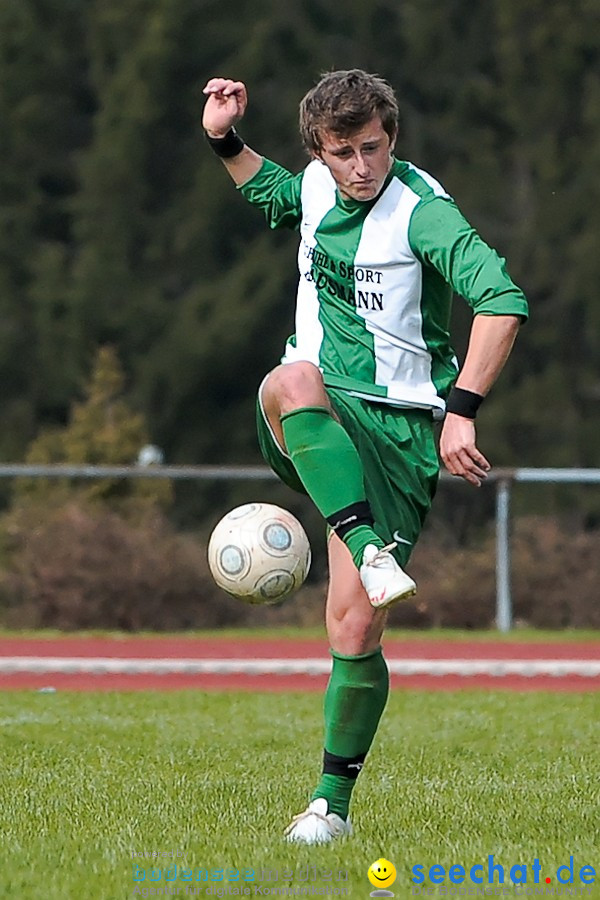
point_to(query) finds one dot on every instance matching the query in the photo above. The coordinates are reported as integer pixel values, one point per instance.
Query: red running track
(141, 648)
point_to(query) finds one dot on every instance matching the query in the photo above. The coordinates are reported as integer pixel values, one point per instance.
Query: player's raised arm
(226, 102)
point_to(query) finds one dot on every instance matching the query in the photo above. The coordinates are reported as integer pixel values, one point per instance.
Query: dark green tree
(118, 226)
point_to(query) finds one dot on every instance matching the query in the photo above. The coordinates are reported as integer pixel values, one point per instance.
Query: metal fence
(503, 479)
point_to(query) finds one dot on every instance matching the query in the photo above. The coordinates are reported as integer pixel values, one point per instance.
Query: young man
(348, 417)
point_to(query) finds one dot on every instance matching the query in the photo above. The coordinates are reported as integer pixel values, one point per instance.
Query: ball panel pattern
(259, 553)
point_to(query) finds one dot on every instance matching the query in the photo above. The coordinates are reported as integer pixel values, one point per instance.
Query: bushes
(555, 579)
(102, 553)
(557, 574)
(81, 565)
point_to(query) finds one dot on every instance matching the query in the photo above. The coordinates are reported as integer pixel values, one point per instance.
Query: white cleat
(316, 826)
(383, 579)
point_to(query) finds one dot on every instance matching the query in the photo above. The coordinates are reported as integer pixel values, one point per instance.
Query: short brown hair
(343, 102)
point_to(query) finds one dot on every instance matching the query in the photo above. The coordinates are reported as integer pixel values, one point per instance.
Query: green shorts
(399, 457)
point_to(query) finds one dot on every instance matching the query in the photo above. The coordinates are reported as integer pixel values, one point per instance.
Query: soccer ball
(259, 553)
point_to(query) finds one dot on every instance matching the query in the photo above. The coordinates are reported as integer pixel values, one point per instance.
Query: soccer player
(348, 417)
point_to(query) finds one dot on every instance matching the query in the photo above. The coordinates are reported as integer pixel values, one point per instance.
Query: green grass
(540, 635)
(453, 777)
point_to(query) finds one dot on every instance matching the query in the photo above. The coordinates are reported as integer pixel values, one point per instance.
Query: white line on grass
(435, 667)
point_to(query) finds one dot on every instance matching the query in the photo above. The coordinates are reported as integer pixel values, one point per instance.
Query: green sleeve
(441, 237)
(277, 192)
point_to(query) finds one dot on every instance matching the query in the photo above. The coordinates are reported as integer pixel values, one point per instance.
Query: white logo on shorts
(401, 540)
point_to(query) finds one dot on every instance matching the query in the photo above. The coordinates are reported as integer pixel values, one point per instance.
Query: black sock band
(344, 520)
(349, 767)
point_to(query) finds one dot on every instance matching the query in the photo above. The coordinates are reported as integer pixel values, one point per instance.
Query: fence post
(503, 595)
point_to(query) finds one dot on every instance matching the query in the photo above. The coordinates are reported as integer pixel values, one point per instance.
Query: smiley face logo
(382, 873)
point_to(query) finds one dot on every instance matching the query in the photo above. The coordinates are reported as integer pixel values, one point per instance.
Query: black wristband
(227, 146)
(463, 403)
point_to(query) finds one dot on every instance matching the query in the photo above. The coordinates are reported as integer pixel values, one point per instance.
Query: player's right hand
(225, 105)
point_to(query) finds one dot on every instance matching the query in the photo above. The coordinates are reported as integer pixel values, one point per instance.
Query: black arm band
(463, 403)
(228, 146)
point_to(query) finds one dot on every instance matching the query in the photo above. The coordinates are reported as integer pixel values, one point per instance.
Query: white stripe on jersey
(388, 267)
(402, 360)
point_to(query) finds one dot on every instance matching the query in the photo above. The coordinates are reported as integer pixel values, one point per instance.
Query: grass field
(516, 635)
(87, 779)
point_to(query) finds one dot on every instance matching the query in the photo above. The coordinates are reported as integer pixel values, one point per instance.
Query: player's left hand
(459, 452)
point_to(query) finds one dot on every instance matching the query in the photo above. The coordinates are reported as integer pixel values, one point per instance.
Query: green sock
(330, 469)
(357, 539)
(354, 702)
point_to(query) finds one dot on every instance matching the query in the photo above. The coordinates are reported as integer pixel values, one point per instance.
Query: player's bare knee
(352, 631)
(293, 386)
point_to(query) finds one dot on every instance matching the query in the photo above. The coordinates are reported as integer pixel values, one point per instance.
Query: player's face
(359, 163)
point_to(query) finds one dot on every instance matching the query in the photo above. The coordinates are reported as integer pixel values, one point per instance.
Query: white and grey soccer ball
(259, 553)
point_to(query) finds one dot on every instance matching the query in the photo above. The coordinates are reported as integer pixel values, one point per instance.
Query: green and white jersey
(376, 280)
